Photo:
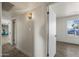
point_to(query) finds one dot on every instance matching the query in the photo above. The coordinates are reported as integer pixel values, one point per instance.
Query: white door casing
(52, 32)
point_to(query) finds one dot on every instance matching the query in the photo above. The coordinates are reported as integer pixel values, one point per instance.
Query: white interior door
(52, 32)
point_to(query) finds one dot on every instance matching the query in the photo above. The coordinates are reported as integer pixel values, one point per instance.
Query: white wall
(66, 11)
(31, 37)
(6, 19)
(62, 30)
(24, 34)
(40, 35)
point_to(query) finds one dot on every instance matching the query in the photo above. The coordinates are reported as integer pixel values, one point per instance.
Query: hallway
(10, 51)
(67, 50)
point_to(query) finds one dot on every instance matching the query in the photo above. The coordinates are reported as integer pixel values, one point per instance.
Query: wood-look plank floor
(10, 51)
(67, 50)
(63, 50)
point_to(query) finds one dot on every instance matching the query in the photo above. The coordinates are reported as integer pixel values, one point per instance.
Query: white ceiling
(21, 7)
(26, 5)
(63, 9)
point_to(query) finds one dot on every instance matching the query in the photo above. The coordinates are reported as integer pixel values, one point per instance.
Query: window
(73, 27)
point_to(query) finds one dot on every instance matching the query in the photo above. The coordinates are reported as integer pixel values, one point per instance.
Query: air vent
(7, 6)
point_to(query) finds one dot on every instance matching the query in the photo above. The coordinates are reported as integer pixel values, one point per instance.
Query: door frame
(52, 32)
(13, 32)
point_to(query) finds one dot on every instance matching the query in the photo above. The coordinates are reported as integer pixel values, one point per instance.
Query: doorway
(13, 32)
